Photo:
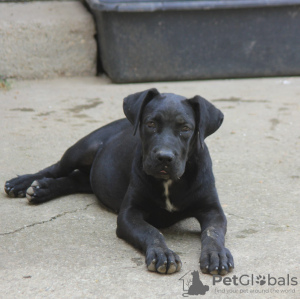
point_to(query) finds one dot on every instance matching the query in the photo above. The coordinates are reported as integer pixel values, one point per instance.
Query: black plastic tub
(188, 40)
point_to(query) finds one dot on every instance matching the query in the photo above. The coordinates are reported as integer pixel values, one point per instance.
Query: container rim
(151, 6)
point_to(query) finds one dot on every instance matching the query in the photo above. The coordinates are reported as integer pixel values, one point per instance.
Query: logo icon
(192, 284)
(261, 280)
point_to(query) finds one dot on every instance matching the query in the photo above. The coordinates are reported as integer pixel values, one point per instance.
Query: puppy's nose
(165, 156)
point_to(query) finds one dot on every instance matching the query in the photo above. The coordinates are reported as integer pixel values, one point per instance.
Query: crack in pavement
(45, 221)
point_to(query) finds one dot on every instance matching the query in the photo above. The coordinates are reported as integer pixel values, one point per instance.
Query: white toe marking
(169, 206)
(30, 191)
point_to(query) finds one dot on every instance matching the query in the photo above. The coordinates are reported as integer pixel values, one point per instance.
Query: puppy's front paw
(163, 261)
(216, 261)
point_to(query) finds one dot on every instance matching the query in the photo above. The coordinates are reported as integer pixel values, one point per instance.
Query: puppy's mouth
(162, 171)
(163, 174)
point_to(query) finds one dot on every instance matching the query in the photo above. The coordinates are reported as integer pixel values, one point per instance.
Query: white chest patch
(169, 207)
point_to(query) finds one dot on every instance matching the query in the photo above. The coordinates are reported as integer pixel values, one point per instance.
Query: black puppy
(152, 179)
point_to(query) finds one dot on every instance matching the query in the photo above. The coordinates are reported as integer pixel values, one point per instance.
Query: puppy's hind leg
(17, 187)
(48, 188)
(80, 156)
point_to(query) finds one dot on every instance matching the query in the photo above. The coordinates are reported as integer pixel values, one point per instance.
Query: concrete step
(46, 40)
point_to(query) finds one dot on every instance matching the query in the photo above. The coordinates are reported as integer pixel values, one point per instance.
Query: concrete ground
(67, 248)
(46, 40)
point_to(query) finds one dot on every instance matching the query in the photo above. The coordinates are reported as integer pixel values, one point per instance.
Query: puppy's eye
(185, 129)
(151, 124)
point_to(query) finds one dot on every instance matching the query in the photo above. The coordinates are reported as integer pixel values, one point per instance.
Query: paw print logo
(261, 280)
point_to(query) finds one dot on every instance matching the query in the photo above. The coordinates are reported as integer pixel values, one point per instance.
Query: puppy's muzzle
(166, 157)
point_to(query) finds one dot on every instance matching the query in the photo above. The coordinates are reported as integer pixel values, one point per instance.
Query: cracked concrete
(44, 221)
(67, 248)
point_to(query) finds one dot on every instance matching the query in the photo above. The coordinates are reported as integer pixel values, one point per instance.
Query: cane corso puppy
(153, 169)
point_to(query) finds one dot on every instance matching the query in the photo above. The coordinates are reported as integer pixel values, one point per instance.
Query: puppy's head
(170, 127)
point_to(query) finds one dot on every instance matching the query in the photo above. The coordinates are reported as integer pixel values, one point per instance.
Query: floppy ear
(208, 118)
(134, 104)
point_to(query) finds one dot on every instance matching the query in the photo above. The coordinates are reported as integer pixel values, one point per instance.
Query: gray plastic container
(188, 40)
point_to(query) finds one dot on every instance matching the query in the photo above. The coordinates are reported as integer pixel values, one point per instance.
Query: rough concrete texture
(46, 40)
(67, 248)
